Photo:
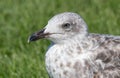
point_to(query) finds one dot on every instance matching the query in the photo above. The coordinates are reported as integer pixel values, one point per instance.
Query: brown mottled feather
(109, 53)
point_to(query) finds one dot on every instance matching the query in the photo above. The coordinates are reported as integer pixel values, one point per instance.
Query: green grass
(20, 18)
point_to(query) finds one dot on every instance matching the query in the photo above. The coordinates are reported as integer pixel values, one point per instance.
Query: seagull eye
(66, 25)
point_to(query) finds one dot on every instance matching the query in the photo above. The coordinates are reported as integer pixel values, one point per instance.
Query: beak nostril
(42, 31)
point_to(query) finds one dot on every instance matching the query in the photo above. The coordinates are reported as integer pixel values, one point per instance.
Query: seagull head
(62, 27)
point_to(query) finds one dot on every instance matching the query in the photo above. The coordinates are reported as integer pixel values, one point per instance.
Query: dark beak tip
(32, 38)
(36, 36)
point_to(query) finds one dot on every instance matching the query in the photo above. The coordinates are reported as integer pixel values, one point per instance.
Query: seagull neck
(78, 38)
(75, 39)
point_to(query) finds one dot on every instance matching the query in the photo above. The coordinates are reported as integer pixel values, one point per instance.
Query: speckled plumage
(79, 54)
(98, 56)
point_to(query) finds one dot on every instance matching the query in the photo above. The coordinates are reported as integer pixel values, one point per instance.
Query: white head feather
(65, 26)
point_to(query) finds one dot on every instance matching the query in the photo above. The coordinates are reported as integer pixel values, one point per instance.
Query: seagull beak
(38, 35)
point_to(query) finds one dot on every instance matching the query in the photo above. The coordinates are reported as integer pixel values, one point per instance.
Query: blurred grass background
(20, 18)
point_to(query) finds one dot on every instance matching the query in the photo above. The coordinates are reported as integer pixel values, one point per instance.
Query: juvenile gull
(75, 53)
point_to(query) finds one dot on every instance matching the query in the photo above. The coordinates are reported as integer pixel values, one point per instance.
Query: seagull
(76, 53)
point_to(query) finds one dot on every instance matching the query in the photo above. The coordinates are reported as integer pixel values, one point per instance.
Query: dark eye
(66, 25)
